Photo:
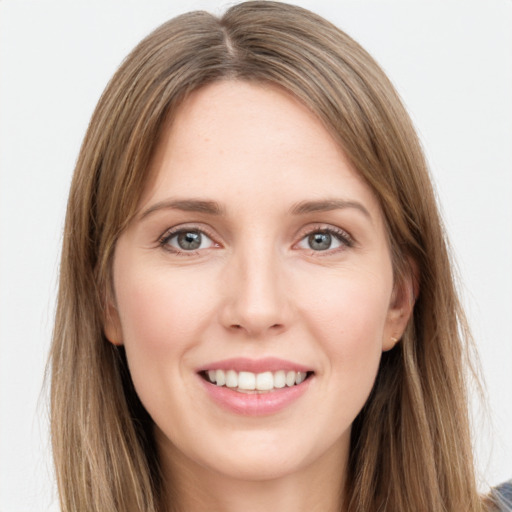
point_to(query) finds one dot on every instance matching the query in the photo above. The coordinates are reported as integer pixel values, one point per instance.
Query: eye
(186, 240)
(325, 240)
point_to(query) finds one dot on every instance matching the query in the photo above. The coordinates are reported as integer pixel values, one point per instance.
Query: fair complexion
(256, 248)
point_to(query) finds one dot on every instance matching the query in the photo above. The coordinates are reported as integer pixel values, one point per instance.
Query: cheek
(159, 309)
(352, 307)
(347, 317)
(162, 315)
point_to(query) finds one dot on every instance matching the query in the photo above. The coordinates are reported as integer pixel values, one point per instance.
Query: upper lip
(267, 364)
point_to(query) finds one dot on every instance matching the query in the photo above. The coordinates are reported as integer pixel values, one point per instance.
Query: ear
(401, 306)
(112, 323)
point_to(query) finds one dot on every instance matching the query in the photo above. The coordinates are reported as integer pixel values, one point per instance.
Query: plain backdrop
(451, 62)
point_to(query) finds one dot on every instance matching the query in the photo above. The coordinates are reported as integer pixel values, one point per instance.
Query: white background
(452, 64)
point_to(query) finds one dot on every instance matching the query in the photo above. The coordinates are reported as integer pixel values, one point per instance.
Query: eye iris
(319, 241)
(189, 240)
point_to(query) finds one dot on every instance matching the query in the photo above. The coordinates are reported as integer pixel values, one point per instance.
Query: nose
(256, 302)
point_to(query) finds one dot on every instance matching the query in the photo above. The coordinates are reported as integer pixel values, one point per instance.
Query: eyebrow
(187, 205)
(325, 205)
(214, 208)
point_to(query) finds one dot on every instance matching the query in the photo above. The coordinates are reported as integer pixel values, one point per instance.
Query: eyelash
(163, 241)
(341, 235)
(346, 240)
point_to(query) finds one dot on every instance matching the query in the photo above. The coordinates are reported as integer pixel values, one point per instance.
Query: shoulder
(502, 496)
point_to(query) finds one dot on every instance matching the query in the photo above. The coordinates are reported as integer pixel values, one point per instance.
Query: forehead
(254, 139)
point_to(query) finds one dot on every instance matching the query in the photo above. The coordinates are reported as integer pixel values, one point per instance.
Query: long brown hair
(410, 445)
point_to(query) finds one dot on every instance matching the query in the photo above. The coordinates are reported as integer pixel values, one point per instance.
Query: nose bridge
(257, 299)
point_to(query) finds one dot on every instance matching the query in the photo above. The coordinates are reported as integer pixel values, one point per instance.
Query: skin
(255, 288)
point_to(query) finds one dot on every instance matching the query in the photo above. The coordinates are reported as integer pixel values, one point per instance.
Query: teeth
(231, 379)
(248, 381)
(290, 378)
(220, 377)
(300, 377)
(279, 379)
(264, 381)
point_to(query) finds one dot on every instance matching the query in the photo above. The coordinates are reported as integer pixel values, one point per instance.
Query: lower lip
(255, 404)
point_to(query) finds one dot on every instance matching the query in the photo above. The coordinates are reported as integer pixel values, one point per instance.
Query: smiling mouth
(249, 382)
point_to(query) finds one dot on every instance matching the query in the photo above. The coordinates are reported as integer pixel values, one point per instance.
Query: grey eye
(189, 240)
(323, 240)
(319, 241)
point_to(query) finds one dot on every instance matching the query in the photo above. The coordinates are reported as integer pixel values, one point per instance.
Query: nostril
(274, 327)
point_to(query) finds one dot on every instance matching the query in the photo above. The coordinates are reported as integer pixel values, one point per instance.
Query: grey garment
(502, 496)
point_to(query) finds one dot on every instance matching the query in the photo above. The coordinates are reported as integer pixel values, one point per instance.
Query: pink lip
(254, 404)
(257, 404)
(242, 364)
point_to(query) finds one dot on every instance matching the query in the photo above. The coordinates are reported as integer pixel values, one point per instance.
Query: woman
(256, 304)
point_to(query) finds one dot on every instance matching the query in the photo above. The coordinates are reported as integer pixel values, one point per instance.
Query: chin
(260, 466)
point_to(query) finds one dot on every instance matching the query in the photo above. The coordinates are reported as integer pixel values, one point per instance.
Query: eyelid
(344, 237)
(181, 228)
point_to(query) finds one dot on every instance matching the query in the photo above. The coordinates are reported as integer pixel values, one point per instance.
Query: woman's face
(260, 258)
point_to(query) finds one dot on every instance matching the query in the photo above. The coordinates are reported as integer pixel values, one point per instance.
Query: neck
(317, 487)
